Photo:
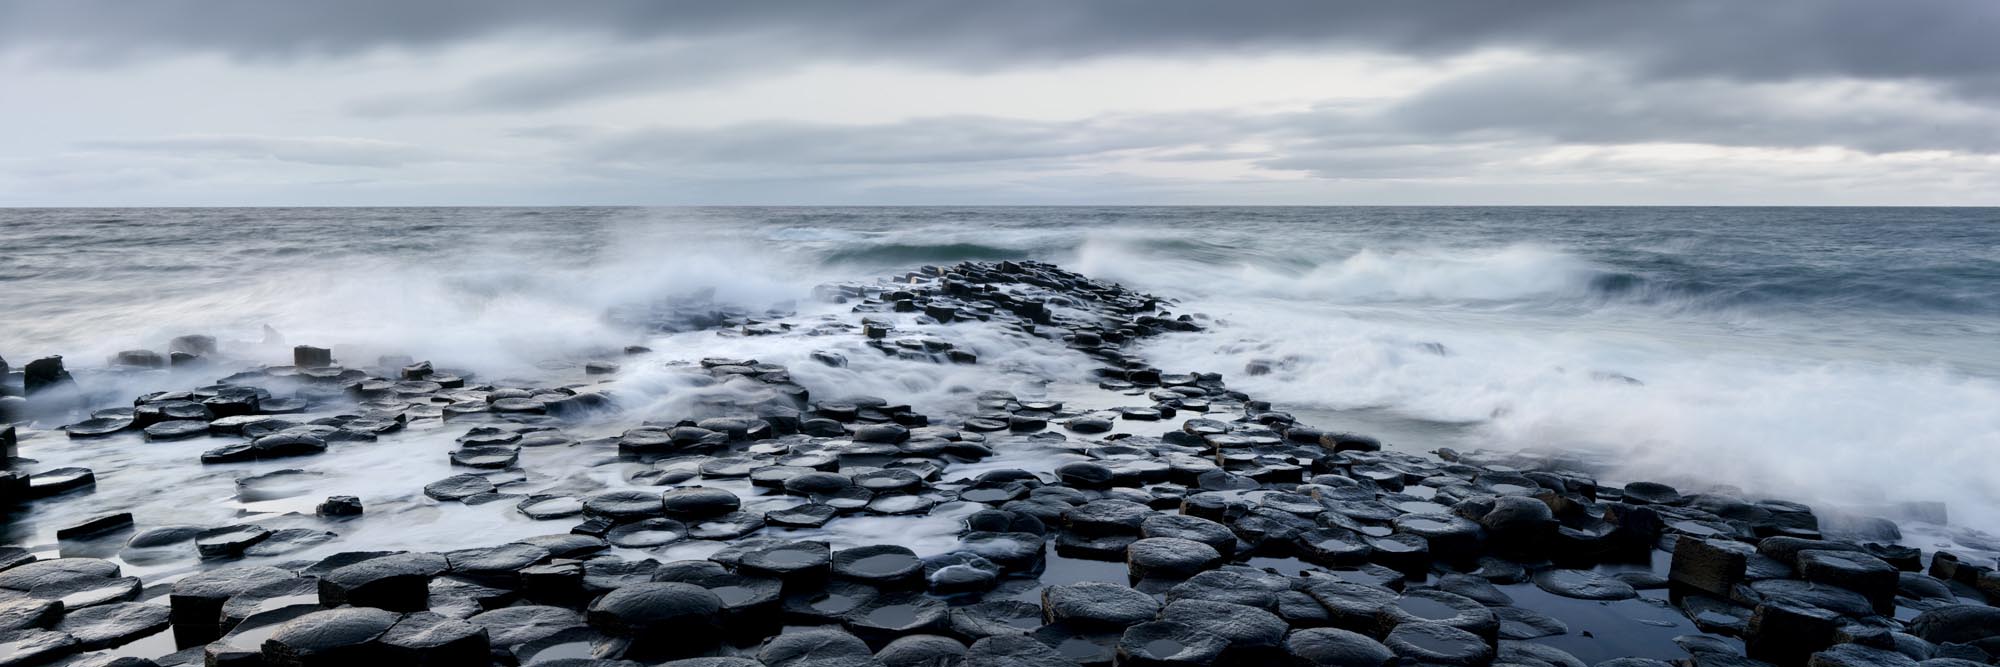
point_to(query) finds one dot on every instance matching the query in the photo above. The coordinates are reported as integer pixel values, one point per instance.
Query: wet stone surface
(746, 516)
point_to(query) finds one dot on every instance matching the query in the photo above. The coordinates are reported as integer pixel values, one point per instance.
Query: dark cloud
(1950, 41)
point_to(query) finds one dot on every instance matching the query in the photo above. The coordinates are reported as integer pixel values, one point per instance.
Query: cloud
(327, 151)
(1947, 41)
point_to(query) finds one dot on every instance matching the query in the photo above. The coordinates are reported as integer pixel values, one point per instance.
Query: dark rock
(1430, 643)
(44, 374)
(1014, 651)
(1215, 535)
(1439, 607)
(96, 526)
(1096, 604)
(1785, 633)
(1583, 585)
(340, 506)
(1254, 635)
(896, 614)
(1960, 624)
(229, 542)
(1332, 647)
(510, 626)
(334, 638)
(697, 502)
(96, 427)
(1852, 570)
(397, 582)
(108, 625)
(56, 571)
(663, 619)
(307, 356)
(883, 566)
(1169, 558)
(1702, 566)
(425, 638)
(922, 651)
(197, 600)
(34, 646)
(818, 647)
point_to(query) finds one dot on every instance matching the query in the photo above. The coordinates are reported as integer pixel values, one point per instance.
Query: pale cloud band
(1778, 101)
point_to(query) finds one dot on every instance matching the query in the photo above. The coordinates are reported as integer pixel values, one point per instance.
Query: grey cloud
(1944, 40)
(329, 151)
(934, 140)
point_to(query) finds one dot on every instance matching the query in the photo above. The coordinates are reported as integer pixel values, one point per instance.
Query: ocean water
(1849, 357)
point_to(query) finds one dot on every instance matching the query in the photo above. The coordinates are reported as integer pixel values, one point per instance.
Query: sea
(1848, 357)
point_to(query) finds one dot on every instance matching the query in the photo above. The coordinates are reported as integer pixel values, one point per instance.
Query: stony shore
(1190, 524)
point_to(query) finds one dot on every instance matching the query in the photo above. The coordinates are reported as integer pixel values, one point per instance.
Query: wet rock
(994, 617)
(726, 527)
(819, 647)
(425, 638)
(1332, 647)
(339, 506)
(810, 515)
(1215, 535)
(108, 625)
(1349, 605)
(896, 614)
(1169, 558)
(44, 374)
(56, 571)
(1702, 566)
(622, 506)
(525, 624)
(697, 502)
(197, 600)
(1097, 604)
(1960, 624)
(922, 651)
(663, 619)
(1439, 607)
(1651, 493)
(229, 542)
(34, 646)
(882, 566)
(960, 572)
(1107, 517)
(60, 480)
(646, 533)
(1430, 643)
(20, 611)
(1852, 570)
(1583, 585)
(1254, 635)
(97, 427)
(97, 525)
(1786, 633)
(1014, 651)
(397, 582)
(333, 638)
(307, 356)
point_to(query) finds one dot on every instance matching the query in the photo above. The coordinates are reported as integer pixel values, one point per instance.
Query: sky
(810, 102)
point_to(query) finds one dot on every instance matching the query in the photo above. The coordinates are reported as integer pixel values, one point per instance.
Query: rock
(229, 542)
(1254, 635)
(1854, 655)
(818, 647)
(56, 571)
(333, 638)
(96, 526)
(1583, 585)
(1014, 651)
(1441, 608)
(1085, 475)
(882, 566)
(20, 611)
(1430, 643)
(60, 480)
(1518, 524)
(646, 533)
(426, 638)
(1702, 566)
(624, 506)
(397, 582)
(896, 614)
(922, 651)
(108, 625)
(197, 600)
(1651, 493)
(698, 502)
(34, 646)
(1331, 647)
(340, 506)
(1097, 604)
(1169, 644)
(1852, 570)
(1107, 517)
(1169, 558)
(96, 427)
(307, 356)
(663, 619)
(1960, 624)
(1215, 535)
(511, 626)
(1786, 633)
(44, 374)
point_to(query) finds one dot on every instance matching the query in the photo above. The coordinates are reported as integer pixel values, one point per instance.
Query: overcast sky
(400, 102)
